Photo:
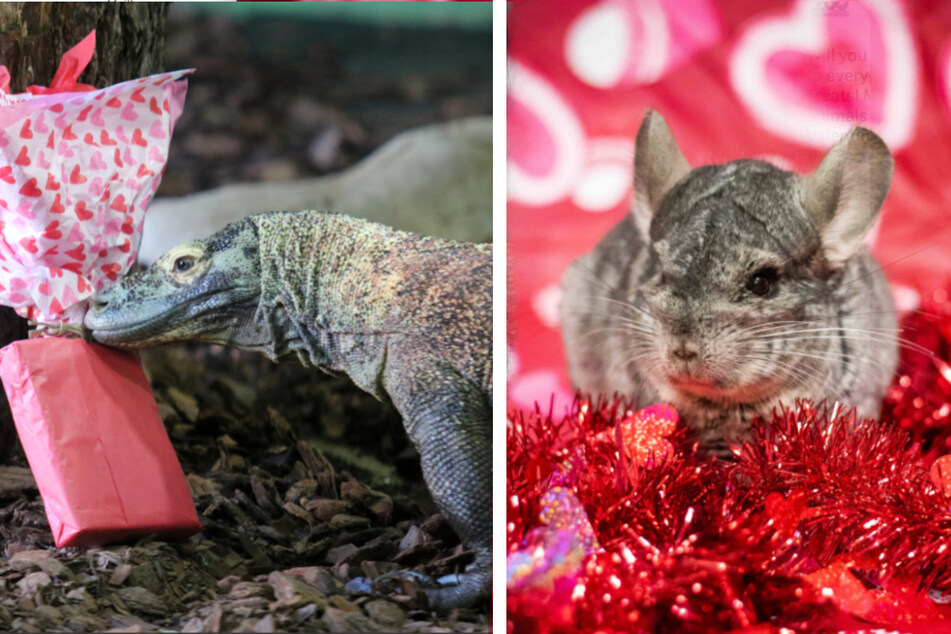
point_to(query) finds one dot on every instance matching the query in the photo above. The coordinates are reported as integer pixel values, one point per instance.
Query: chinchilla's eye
(762, 282)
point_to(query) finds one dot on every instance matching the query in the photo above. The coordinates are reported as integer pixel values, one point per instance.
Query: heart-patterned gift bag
(78, 166)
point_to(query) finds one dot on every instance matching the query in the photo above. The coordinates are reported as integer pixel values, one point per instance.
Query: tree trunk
(130, 39)
(130, 43)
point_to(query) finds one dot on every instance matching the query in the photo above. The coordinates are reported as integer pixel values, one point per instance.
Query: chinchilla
(730, 289)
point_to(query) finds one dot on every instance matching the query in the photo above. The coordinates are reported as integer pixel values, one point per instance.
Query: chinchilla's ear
(658, 165)
(844, 195)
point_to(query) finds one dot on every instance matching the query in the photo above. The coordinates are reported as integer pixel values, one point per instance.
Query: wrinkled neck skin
(327, 294)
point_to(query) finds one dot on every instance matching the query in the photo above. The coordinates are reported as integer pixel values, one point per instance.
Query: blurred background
(290, 90)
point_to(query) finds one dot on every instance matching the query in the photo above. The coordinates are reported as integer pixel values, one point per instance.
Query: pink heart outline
(804, 30)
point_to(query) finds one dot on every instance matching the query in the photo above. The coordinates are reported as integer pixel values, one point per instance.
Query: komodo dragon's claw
(456, 590)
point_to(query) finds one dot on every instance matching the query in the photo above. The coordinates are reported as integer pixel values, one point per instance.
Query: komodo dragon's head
(203, 290)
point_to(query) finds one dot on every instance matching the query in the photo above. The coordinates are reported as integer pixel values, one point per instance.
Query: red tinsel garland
(820, 523)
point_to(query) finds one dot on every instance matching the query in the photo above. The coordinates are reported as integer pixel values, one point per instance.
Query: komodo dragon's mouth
(107, 329)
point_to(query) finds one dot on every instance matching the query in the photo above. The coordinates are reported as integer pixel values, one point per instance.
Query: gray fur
(660, 309)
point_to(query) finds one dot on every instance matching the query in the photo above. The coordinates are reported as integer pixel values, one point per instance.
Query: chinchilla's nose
(686, 351)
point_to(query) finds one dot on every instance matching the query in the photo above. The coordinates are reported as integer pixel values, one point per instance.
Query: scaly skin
(407, 317)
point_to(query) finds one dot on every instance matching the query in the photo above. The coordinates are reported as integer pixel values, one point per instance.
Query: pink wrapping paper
(95, 442)
(77, 170)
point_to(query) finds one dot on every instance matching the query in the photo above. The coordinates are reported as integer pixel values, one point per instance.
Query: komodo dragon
(407, 317)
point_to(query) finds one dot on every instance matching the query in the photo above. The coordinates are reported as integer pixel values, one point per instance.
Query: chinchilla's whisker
(842, 354)
(801, 376)
(621, 330)
(860, 336)
(882, 267)
(810, 328)
(844, 357)
(600, 298)
(592, 276)
(605, 315)
(887, 333)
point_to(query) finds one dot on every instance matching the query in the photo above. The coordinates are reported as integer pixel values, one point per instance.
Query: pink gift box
(97, 447)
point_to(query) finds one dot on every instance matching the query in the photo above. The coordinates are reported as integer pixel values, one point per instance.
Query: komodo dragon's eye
(184, 263)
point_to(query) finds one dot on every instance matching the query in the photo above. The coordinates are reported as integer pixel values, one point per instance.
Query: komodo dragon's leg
(449, 420)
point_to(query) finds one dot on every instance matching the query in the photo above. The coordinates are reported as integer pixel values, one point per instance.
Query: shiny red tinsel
(818, 524)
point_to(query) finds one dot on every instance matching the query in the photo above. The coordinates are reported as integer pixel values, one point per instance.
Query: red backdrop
(779, 81)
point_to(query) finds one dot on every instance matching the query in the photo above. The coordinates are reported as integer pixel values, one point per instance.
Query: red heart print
(127, 225)
(88, 138)
(68, 133)
(44, 288)
(76, 268)
(25, 132)
(55, 307)
(154, 107)
(22, 158)
(84, 113)
(137, 138)
(114, 102)
(57, 207)
(105, 139)
(57, 107)
(126, 246)
(118, 158)
(29, 244)
(81, 212)
(137, 95)
(143, 171)
(6, 174)
(52, 231)
(56, 272)
(77, 253)
(75, 177)
(165, 105)
(119, 204)
(51, 183)
(51, 141)
(111, 270)
(30, 189)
